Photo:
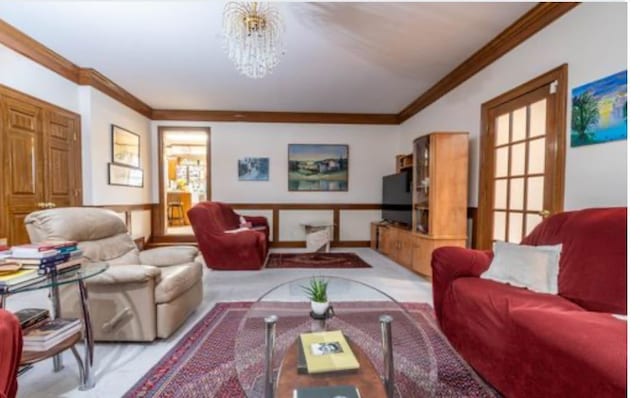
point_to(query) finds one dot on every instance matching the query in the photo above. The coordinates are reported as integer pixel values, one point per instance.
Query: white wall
(22, 74)
(592, 39)
(98, 112)
(371, 155)
(98, 115)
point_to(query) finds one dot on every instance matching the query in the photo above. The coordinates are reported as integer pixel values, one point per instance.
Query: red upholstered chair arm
(257, 220)
(234, 240)
(10, 352)
(450, 263)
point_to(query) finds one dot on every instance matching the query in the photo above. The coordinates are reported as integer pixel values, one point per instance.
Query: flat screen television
(396, 198)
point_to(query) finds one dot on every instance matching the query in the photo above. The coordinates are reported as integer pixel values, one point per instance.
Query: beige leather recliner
(143, 295)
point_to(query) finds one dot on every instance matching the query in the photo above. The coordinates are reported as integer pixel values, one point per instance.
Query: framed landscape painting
(599, 111)
(253, 169)
(318, 167)
(125, 147)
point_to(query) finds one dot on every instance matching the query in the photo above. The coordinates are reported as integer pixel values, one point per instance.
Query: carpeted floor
(315, 260)
(202, 363)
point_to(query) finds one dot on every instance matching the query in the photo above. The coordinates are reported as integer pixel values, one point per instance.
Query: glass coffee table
(395, 355)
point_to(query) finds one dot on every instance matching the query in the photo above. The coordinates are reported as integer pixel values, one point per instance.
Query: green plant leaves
(317, 290)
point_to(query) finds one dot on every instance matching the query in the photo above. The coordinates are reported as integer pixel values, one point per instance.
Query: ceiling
(340, 57)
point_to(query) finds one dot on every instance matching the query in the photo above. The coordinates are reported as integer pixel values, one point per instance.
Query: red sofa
(529, 344)
(225, 250)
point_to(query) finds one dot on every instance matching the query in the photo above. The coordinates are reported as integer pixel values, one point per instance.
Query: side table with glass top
(53, 281)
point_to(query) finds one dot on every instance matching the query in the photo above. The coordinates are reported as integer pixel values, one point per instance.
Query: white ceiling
(340, 57)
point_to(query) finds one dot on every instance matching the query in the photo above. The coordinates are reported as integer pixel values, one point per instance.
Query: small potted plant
(317, 293)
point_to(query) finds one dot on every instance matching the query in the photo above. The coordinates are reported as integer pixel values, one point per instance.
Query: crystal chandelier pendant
(253, 37)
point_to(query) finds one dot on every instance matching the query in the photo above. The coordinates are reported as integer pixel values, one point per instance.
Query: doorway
(522, 158)
(185, 170)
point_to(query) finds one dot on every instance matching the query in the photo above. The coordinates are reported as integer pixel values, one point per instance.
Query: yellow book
(327, 352)
(13, 278)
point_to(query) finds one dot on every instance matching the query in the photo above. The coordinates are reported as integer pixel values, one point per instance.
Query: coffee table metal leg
(387, 352)
(270, 343)
(55, 304)
(87, 380)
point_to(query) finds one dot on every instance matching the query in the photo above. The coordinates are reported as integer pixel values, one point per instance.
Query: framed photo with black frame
(125, 147)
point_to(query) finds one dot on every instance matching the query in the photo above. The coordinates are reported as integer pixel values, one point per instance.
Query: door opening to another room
(185, 171)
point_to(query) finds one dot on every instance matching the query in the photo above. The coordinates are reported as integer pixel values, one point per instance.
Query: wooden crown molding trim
(38, 52)
(273, 117)
(95, 79)
(526, 26)
(30, 48)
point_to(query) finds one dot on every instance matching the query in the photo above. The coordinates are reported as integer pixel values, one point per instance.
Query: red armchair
(529, 344)
(10, 352)
(212, 223)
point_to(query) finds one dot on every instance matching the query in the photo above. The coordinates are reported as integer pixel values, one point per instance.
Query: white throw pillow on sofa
(533, 267)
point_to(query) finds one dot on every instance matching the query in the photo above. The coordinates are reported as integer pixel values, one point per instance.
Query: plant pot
(319, 308)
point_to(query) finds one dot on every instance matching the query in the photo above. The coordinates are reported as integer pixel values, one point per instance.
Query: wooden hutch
(440, 163)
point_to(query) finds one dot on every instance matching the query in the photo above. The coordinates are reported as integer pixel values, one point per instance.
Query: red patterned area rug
(202, 363)
(315, 260)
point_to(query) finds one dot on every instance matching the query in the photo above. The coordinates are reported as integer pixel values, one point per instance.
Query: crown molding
(95, 79)
(30, 48)
(526, 26)
(272, 117)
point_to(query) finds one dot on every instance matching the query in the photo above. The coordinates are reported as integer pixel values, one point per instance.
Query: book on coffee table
(327, 392)
(327, 352)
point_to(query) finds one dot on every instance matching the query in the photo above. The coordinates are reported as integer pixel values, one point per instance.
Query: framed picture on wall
(125, 147)
(253, 169)
(318, 167)
(125, 176)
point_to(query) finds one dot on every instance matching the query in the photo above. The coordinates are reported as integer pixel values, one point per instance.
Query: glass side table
(53, 282)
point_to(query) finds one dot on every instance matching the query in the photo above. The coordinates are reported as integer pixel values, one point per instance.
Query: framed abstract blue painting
(599, 111)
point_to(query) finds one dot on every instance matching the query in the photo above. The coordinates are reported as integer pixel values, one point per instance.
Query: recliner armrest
(450, 263)
(166, 256)
(119, 274)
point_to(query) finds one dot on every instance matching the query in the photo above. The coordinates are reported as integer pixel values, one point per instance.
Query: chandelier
(253, 33)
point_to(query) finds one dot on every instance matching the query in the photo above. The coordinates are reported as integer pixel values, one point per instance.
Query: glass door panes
(519, 159)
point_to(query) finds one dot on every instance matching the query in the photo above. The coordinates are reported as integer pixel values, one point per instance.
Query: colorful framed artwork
(318, 167)
(253, 169)
(125, 147)
(125, 176)
(599, 111)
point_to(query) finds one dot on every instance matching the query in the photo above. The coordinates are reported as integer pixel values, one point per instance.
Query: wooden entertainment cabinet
(440, 164)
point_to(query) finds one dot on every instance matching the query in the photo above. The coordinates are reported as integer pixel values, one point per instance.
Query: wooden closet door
(22, 169)
(62, 166)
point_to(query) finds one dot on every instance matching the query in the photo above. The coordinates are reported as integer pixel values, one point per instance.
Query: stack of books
(48, 256)
(322, 352)
(49, 333)
(17, 279)
(31, 317)
(7, 265)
